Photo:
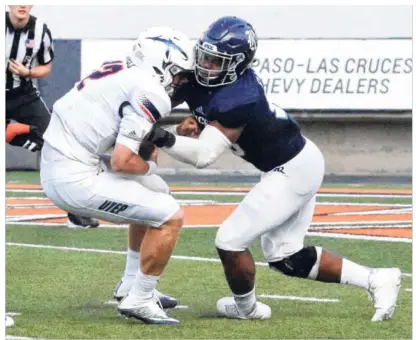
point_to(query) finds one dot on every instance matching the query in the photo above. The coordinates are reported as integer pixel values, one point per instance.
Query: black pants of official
(27, 107)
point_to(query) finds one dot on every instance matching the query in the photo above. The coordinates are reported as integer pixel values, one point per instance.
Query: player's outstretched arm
(201, 152)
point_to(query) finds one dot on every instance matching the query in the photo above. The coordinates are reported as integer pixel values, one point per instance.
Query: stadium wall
(360, 118)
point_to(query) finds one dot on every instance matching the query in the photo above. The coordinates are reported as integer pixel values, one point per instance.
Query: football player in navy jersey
(229, 102)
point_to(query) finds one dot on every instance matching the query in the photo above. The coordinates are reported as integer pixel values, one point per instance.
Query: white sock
(144, 285)
(246, 302)
(132, 264)
(354, 274)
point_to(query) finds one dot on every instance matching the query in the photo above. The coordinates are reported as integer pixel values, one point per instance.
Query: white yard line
(26, 220)
(24, 190)
(309, 233)
(366, 204)
(51, 205)
(31, 205)
(115, 303)
(241, 193)
(369, 226)
(214, 202)
(374, 212)
(296, 298)
(117, 252)
(360, 237)
(18, 197)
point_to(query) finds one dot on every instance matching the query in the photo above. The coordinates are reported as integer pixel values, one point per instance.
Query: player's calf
(155, 252)
(319, 264)
(156, 249)
(240, 272)
(315, 263)
(158, 244)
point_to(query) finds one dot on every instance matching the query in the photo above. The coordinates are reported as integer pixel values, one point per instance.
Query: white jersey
(116, 104)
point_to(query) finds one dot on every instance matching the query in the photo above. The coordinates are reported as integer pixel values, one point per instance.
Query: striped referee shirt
(31, 45)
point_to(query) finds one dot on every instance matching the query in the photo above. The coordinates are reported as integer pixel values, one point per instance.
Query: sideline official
(29, 55)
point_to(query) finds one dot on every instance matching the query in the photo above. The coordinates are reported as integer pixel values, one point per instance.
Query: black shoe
(75, 221)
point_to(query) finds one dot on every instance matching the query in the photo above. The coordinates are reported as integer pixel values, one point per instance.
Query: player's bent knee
(228, 241)
(299, 264)
(176, 221)
(179, 216)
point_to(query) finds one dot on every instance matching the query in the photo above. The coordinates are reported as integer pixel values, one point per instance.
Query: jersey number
(110, 67)
(278, 112)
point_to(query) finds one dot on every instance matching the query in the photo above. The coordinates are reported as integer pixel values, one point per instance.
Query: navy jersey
(269, 139)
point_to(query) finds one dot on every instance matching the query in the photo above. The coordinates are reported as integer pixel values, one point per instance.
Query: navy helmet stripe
(170, 44)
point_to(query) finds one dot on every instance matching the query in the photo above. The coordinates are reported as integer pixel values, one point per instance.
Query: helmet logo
(171, 44)
(209, 46)
(251, 39)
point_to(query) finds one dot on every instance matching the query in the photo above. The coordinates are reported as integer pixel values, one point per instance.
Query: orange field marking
(14, 201)
(388, 232)
(216, 214)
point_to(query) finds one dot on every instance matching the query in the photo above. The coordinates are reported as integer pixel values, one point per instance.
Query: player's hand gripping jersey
(270, 136)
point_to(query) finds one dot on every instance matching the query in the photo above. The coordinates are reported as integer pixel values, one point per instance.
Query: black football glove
(146, 149)
(160, 137)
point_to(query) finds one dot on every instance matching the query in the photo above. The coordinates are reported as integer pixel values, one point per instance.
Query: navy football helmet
(225, 51)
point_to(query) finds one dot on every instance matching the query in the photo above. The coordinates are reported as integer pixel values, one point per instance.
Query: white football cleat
(384, 286)
(149, 311)
(227, 307)
(123, 287)
(9, 321)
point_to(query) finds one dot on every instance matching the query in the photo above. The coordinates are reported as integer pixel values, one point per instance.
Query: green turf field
(61, 292)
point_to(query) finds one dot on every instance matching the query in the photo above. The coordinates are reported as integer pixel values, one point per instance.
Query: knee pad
(299, 264)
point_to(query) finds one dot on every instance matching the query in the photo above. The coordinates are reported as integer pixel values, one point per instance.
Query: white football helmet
(167, 52)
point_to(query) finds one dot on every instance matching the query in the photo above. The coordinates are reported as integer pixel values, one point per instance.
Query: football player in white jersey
(115, 106)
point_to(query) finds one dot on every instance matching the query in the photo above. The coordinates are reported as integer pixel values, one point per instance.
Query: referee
(29, 55)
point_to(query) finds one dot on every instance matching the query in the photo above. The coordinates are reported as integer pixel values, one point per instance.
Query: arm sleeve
(199, 152)
(133, 128)
(46, 51)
